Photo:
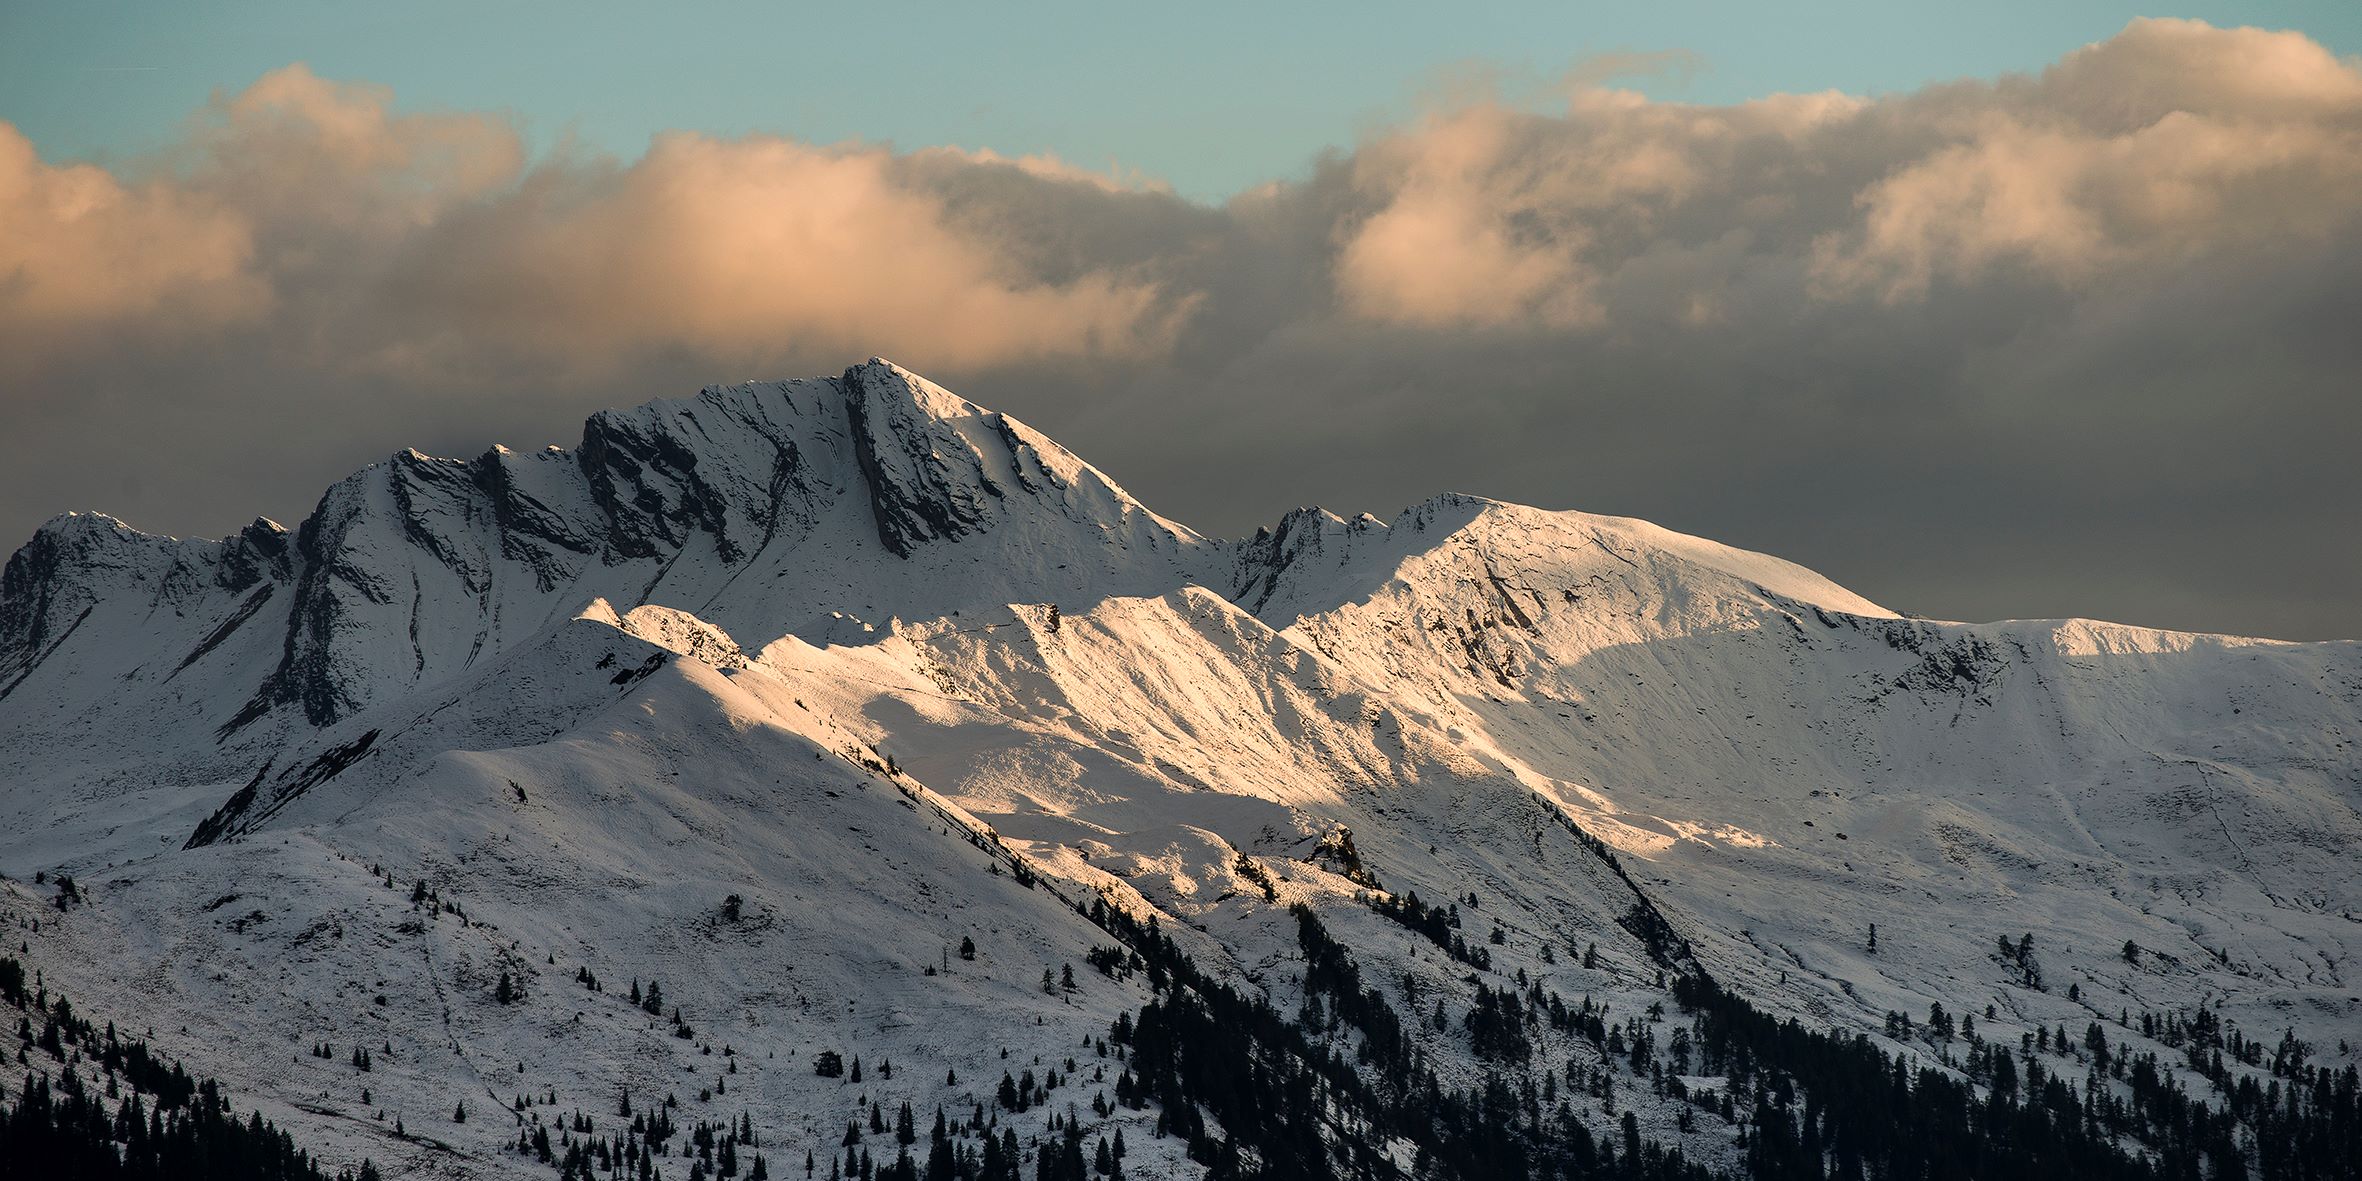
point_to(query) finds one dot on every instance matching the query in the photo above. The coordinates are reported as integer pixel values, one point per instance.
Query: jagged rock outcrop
(733, 503)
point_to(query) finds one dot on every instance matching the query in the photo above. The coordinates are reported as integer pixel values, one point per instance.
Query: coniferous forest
(96, 1104)
(1338, 1091)
(1805, 1104)
(1334, 1092)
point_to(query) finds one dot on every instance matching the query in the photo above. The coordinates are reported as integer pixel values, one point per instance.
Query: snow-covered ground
(869, 658)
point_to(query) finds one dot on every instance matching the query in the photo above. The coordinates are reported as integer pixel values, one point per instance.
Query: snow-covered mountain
(834, 706)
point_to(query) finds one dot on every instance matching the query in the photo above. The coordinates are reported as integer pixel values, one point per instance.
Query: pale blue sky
(1213, 97)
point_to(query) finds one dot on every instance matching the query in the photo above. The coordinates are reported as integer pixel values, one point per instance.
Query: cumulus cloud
(729, 248)
(1878, 335)
(84, 249)
(2173, 141)
(416, 241)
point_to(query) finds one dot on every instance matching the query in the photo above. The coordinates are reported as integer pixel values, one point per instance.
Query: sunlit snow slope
(893, 671)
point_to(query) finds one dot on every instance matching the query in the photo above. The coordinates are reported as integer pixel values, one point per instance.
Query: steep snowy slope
(822, 508)
(892, 671)
(592, 803)
(1787, 764)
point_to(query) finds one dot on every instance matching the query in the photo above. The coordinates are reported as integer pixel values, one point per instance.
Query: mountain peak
(940, 467)
(781, 691)
(767, 507)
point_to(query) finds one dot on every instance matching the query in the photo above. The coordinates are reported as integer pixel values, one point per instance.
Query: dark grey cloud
(2080, 342)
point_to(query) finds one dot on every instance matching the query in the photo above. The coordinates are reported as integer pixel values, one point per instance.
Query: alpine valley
(835, 779)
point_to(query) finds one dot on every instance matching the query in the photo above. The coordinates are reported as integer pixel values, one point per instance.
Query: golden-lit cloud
(1490, 216)
(409, 240)
(80, 248)
(411, 243)
(1455, 242)
(2170, 141)
(736, 248)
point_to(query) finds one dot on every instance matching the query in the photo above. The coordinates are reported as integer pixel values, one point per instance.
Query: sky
(1212, 98)
(2014, 310)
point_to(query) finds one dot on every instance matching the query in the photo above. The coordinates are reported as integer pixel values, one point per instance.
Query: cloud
(82, 249)
(413, 243)
(2170, 143)
(1492, 216)
(731, 249)
(1878, 335)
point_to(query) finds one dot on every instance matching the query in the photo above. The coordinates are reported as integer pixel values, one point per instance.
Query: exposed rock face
(902, 431)
(413, 569)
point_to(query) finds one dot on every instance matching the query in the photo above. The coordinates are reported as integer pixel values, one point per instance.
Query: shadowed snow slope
(777, 694)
